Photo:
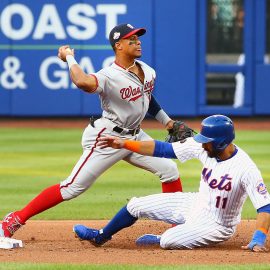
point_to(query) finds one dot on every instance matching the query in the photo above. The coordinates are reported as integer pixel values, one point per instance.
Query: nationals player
(125, 90)
(208, 216)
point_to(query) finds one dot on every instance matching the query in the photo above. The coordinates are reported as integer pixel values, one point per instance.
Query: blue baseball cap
(124, 31)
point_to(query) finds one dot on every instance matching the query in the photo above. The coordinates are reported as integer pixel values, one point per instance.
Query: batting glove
(259, 239)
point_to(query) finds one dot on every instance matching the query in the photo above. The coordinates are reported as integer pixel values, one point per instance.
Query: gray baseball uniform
(125, 101)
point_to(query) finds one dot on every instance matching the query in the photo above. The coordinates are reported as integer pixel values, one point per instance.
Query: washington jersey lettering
(124, 98)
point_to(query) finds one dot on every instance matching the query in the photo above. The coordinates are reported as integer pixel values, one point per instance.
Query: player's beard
(213, 153)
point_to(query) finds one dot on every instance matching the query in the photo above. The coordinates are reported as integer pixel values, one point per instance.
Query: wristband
(263, 230)
(259, 238)
(133, 146)
(162, 117)
(71, 61)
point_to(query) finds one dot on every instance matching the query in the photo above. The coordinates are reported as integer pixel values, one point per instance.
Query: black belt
(127, 131)
(120, 130)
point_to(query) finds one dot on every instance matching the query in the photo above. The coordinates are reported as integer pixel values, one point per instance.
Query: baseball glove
(179, 132)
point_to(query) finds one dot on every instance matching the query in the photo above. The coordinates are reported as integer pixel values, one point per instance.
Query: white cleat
(9, 243)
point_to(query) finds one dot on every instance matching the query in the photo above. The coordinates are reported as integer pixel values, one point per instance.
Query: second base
(9, 243)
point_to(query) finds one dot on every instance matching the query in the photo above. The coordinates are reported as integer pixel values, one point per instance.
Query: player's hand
(63, 51)
(257, 243)
(169, 125)
(110, 141)
(256, 248)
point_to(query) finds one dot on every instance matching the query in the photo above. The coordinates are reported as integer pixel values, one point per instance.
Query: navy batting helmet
(217, 129)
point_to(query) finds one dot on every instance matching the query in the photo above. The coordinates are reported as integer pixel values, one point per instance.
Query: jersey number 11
(221, 202)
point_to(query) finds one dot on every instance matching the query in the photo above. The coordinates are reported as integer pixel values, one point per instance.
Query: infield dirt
(54, 242)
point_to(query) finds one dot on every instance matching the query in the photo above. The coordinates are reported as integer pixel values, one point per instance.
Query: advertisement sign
(33, 81)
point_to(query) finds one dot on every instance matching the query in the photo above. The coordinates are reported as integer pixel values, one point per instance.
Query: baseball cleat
(11, 223)
(148, 239)
(94, 236)
(9, 243)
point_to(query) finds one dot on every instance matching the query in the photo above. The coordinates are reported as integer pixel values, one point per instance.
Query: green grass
(33, 159)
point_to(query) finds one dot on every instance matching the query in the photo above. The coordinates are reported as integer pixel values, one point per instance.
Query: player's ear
(118, 46)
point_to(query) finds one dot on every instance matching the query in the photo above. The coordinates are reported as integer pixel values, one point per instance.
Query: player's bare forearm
(83, 81)
(263, 221)
(142, 147)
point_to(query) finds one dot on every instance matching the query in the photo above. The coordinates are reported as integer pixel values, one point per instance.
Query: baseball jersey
(225, 185)
(124, 98)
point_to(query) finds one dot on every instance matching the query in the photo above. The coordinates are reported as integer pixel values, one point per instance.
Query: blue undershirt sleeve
(163, 149)
(264, 209)
(154, 107)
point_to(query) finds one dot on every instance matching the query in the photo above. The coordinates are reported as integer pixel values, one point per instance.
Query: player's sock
(170, 187)
(45, 200)
(120, 221)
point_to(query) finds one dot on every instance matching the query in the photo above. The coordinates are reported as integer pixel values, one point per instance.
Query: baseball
(68, 50)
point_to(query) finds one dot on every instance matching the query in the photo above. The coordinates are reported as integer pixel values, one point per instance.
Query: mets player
(208, 216)
(125, 90)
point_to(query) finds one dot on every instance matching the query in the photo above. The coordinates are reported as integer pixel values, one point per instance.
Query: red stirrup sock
(174, 186)
(171, 187)
(46, 199)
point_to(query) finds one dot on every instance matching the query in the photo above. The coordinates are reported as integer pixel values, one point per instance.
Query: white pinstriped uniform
(210, 215)
(125, 101)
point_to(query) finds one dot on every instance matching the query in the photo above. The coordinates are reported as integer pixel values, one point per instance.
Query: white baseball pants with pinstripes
(196, 228)
(94, 161)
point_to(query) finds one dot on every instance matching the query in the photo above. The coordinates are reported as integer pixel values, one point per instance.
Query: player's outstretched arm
(82, 80)
(257, 244)
(142, 147)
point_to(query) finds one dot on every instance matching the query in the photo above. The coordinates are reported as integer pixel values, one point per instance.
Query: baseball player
(125, 90)
(208, 216)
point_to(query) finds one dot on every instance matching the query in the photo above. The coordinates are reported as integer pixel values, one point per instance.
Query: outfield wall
(34, 82)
